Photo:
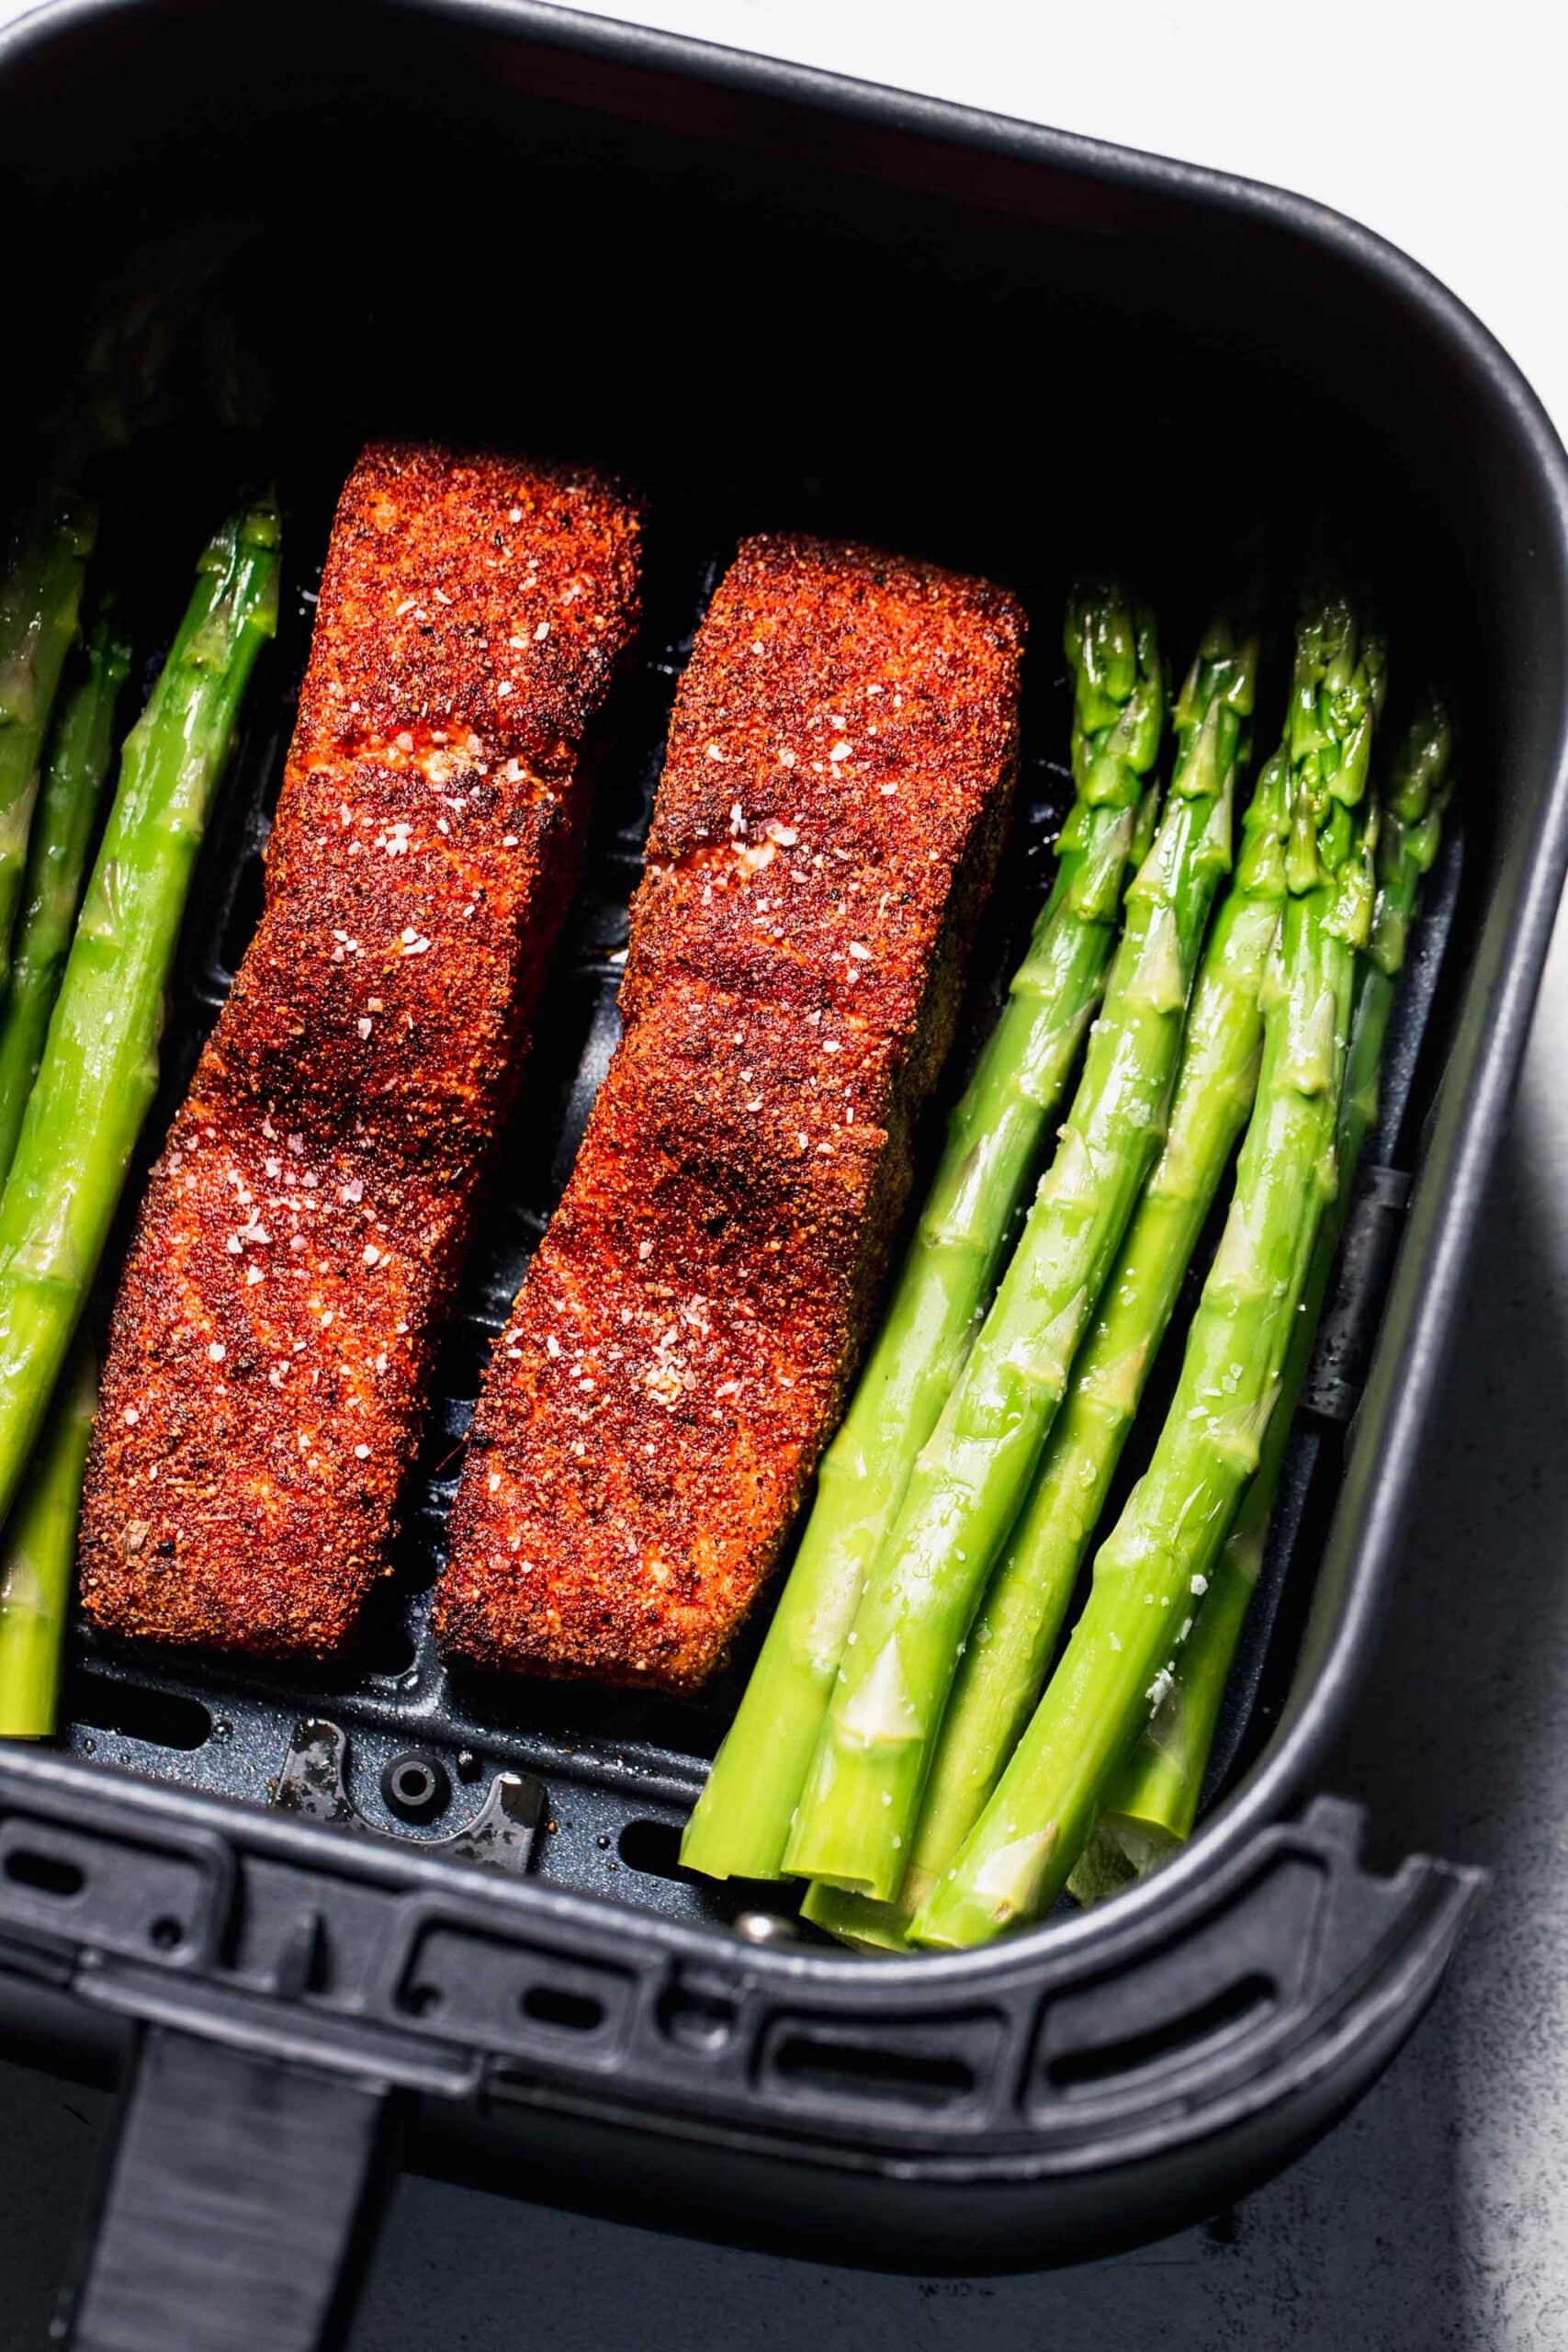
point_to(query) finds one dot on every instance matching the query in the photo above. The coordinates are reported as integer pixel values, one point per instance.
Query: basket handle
(239, 2209)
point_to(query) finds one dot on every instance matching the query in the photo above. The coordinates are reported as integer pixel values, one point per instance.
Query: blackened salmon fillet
(837, 780)
(301, 1232)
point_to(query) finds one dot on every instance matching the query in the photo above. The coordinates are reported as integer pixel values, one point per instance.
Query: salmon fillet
(303, 1227)
(839, 769)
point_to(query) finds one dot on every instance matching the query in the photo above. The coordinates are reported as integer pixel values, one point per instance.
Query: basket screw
(416, 1786)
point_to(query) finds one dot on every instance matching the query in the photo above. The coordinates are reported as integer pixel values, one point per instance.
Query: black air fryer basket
(320, 1919)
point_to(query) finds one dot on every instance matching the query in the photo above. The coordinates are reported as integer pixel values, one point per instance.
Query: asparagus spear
(1153, 1801)
(858, 1812)
(1009, 1650)
(40, 604)
(57, 860)
(743, 1815)
(99, 1069)
(1118, 1663)
(37, 1557)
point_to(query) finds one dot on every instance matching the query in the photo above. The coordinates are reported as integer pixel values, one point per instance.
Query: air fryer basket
(773, 299)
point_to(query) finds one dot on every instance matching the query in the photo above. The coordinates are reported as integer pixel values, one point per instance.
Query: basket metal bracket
(314, 1781)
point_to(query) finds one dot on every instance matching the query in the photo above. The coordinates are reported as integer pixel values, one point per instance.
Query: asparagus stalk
(1153, 1801)
(1004, 1660)
(37, 1558)
(39, 604)
(99, 1069)
(858, 1811)
(57, 860)
(1118, 1663)
(742, 1818)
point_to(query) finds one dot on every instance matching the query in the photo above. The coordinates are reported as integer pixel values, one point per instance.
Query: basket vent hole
(46, 1874)
(423, 2000)
(651, 1847)
(166, 1933)
(698, 2021)
(861, 2070)
(554, 2005)
(245, 913)
(388, 1651)
(1175, 2038)
(162, 1718)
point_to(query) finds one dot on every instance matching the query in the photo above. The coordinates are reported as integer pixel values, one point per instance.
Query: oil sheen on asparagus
(1153, 1801)
(1156, 1563)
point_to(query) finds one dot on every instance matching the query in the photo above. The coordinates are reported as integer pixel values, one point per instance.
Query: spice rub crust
(840, 766)
(302, 1231)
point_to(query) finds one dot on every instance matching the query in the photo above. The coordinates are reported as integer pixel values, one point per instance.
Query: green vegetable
(857, 1815)
(1009, 1647)
(40, 604)
(742, 1818)
(1156, 1563)
(1153, 1801)
(99, 1069)
(38, 1559)
(79, 758)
